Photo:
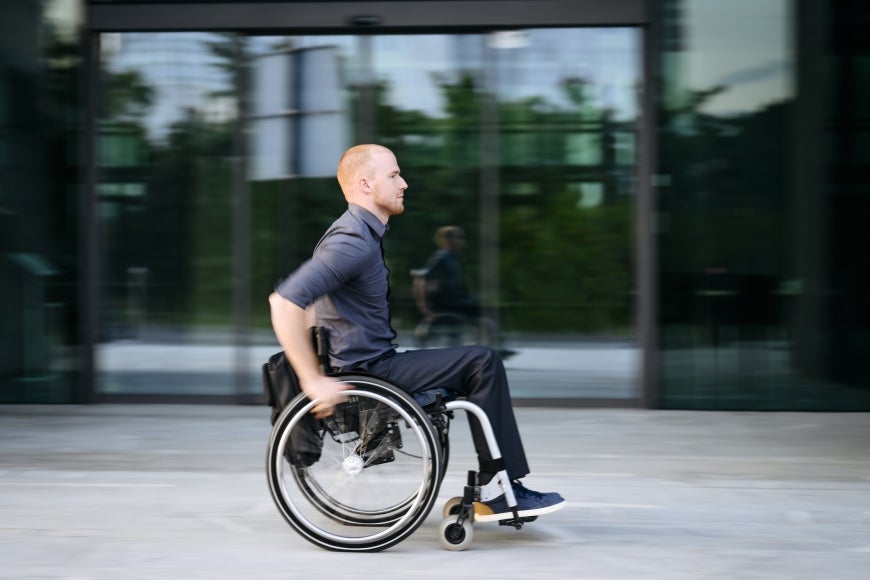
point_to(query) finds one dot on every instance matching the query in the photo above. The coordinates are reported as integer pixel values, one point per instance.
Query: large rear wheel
(364, 478)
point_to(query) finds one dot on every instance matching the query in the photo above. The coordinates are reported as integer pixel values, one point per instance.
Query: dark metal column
(241, 225)
(85, 391)
(645, 227)
(490, 187)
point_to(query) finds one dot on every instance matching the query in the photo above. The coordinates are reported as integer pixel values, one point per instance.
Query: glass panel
(294, 201)
(515, 138)
(40, 86)
(165, 202)
(567, 120)
(548, 217)
(427, 98)
(762, 208)
(722, 237)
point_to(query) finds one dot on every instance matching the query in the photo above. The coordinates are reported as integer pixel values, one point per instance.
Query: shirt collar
(369, 219)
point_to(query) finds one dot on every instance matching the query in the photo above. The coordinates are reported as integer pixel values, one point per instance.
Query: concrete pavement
(139, 492)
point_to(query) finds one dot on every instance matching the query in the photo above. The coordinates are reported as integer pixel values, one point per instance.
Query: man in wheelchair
(346, 283)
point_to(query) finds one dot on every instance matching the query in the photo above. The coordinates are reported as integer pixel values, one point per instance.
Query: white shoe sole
(479, 517)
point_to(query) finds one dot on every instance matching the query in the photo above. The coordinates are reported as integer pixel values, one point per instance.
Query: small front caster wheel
(453, 536)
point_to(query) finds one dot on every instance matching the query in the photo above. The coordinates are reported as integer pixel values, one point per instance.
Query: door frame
(377, 17)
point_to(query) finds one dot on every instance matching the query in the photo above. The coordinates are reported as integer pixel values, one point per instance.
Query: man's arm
(289, 323)
(419, 290)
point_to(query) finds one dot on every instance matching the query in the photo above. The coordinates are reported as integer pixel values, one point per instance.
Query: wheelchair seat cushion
(429, 396)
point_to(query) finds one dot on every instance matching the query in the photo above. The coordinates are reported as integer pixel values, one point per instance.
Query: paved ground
(140, 492)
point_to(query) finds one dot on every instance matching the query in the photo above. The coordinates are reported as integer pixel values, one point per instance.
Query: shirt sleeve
(435, 265)
(339, 258)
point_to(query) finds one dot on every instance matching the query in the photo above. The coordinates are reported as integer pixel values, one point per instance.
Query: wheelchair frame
(378, 471)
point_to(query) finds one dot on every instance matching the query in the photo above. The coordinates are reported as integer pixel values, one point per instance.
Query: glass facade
(40, 186)
(155, 185)
(168, 169)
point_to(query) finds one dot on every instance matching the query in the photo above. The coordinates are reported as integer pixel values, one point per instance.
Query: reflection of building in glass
(299, 123)
(183, 70)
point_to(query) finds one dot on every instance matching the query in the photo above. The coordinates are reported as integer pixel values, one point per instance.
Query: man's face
(388, 187)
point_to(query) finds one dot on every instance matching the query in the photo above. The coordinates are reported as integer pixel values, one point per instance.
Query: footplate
(517, 522)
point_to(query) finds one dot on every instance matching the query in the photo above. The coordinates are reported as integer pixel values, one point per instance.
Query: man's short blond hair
(353, 163)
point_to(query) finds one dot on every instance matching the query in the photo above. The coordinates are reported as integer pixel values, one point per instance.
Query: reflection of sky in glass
(607, 58)
(742, 45)
(407, 64)
(178, 66)
(181, 68)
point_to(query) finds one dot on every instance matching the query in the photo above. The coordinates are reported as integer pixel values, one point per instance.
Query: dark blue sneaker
(529, 504)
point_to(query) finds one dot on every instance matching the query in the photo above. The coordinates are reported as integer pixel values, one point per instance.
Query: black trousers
(477, 373)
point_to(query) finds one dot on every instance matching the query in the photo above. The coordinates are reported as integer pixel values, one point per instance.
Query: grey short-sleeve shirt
(348, 281)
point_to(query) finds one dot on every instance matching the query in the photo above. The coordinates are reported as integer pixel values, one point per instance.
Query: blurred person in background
(441, 293)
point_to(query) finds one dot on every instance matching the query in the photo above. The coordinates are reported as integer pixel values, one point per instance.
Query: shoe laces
(521, 491)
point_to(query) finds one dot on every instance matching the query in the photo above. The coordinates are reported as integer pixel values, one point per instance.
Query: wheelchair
(366, 477)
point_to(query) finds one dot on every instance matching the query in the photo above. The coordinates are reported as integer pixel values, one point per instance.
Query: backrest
(320, 338)
(280, 383)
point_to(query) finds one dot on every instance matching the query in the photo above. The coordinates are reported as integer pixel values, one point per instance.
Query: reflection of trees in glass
(462, 127)
(724, 252)
(441, 164)
(568, 264)
(122, 152)
(564, 267)
(568, 268)
(126, 97)
(190, 192)
(725, 190)
(166, 204)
